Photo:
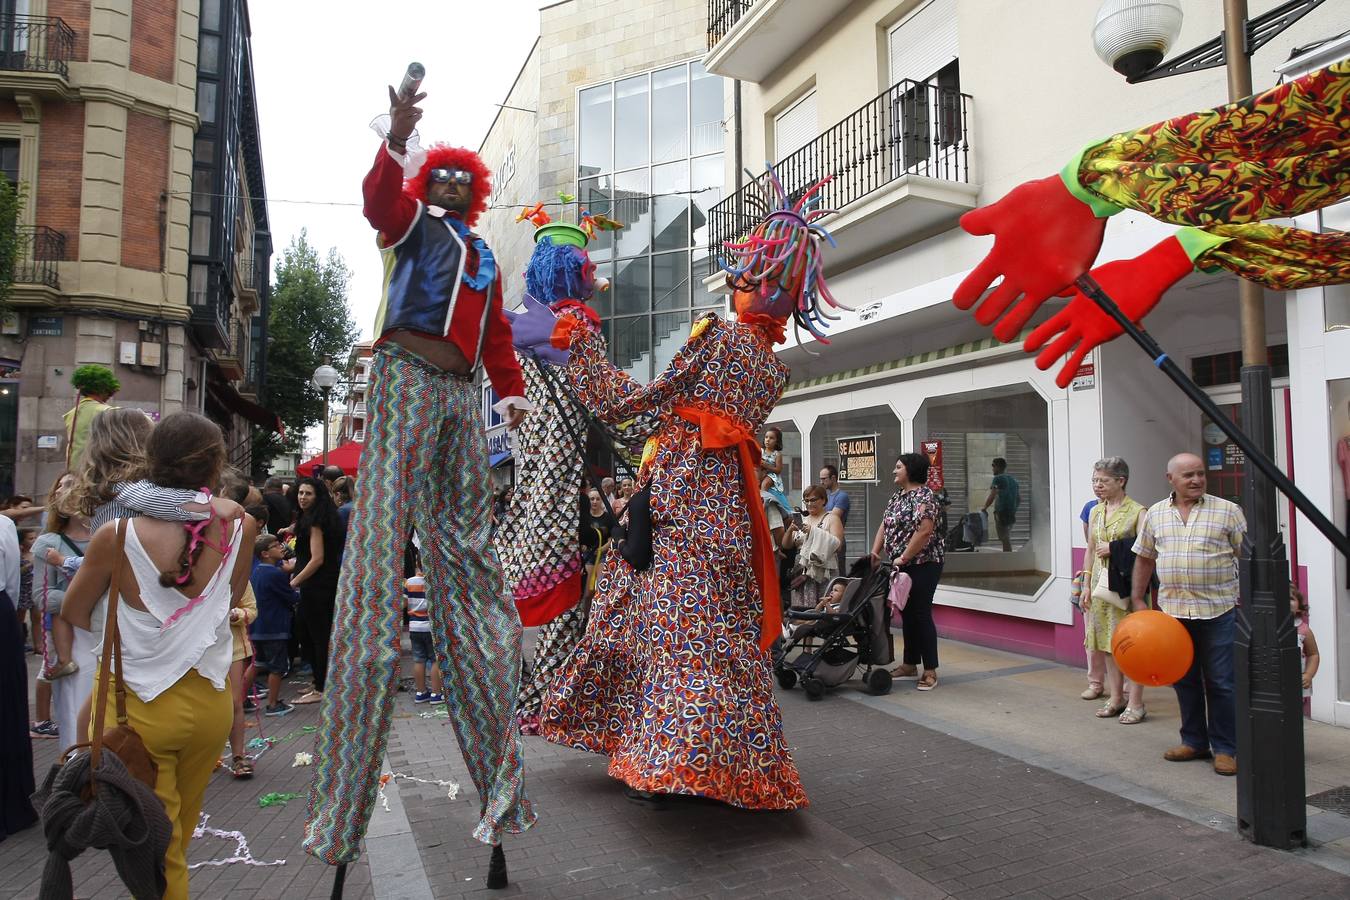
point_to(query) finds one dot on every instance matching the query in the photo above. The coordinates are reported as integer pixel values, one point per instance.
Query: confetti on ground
(451, 793)
(241, 851)
(277, 799)
(303, 759)
(439, 711)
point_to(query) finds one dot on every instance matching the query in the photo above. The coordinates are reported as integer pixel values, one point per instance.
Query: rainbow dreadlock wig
(777, 268)
(443, 156)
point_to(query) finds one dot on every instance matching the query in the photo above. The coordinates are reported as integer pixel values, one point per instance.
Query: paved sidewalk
(898, 810)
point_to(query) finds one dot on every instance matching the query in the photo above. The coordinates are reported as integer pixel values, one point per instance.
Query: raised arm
(387, 208)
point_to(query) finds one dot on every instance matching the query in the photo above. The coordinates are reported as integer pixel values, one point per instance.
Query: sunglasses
(445, 176)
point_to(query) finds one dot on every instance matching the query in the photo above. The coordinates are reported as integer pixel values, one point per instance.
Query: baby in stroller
(848, 628)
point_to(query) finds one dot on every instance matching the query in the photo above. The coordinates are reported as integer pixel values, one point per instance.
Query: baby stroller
(859, 634)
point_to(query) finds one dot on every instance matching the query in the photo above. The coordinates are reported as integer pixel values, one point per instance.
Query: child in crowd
(271, 631)
(26, 538)
(241, 676)
(832, 602)
(423, 648)
(1308, 656)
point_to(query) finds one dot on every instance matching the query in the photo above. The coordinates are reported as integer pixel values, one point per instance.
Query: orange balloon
(1152, 648)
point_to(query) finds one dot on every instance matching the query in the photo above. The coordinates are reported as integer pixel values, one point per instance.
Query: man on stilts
(425, 469)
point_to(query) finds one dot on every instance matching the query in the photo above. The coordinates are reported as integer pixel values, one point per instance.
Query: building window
(1011, 424)
(9, 162)
(649, 153)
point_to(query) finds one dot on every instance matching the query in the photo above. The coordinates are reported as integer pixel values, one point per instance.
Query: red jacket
(394, 213)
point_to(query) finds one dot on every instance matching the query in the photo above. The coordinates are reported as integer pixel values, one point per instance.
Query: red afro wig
(443, 156)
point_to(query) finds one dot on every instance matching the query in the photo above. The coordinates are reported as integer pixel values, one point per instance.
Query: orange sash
(717, 432)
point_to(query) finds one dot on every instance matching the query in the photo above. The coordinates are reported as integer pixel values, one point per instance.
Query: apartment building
(132, 130)
(922, 110)
(613, 106)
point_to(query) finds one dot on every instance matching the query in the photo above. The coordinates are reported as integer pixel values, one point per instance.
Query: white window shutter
(795, 127)
(924, 41)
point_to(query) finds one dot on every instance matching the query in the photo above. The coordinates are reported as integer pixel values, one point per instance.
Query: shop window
(975, 428)
(867, 498)
(1336, 297)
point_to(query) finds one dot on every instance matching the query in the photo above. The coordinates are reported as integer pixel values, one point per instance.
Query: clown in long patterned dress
(538, 544)
(672, 679)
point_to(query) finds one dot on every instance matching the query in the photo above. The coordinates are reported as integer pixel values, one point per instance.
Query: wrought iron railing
(36, 44)
(40, 248)
(722, 15)
(246, 278)
(913, 128)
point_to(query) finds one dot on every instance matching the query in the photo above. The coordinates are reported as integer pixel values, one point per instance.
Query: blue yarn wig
(559, 272)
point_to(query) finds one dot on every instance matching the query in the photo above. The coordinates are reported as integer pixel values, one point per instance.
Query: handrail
(911, 128)
(723, 16)
(36, 44)
(40, 248)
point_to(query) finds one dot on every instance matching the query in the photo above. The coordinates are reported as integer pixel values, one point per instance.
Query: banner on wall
(933, 450)
(858, 458)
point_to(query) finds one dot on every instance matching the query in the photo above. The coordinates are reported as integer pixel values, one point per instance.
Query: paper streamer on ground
(451, 793)
(241, 851)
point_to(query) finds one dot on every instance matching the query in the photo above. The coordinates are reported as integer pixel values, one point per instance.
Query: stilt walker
(425, 468)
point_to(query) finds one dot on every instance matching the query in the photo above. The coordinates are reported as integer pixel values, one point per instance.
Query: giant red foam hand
(1135, 284)
(1044, 238)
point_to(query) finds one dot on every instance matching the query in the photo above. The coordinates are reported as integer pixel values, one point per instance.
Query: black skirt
(16, 748)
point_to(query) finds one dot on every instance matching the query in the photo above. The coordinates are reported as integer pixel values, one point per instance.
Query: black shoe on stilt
(646, 798)
(496, 878)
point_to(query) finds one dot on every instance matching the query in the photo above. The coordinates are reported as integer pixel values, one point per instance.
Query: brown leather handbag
(120, 740)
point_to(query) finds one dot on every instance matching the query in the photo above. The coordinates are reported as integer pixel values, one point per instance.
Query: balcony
(246, 285)
(35, 54)
(900, 170)
(38, 250)
(231, 358)
(748, 39)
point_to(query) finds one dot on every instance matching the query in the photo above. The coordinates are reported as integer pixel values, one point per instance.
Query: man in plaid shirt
(1192, 540)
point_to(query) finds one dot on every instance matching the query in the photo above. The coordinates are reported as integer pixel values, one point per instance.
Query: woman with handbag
(1114, 519)
(909, 538)
(176, 583)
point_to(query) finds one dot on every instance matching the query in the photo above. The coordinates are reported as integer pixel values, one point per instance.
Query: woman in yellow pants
(177, 590)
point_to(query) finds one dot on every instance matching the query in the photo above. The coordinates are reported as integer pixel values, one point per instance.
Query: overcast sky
(322, 67)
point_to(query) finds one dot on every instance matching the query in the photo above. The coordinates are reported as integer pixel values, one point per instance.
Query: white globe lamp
(1133, 36)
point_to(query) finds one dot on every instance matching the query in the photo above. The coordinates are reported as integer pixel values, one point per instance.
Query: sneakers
(250, 706)
(422, 697)
(43, 729)
(437, 698)
(281, 709)
(1184, 753)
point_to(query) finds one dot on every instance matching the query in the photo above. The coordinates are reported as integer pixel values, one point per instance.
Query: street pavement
(898, 809)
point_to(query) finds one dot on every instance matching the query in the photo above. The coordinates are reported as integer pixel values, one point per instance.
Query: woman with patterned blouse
(909, 538)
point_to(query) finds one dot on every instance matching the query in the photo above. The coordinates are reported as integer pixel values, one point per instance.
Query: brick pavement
(898, 810)
(273, 833)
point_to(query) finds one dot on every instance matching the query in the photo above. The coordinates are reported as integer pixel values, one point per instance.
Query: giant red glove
(1044, 238)
(1135, 284)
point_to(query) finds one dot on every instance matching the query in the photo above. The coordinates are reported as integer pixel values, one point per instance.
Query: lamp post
(1133, 36)
(325, 378)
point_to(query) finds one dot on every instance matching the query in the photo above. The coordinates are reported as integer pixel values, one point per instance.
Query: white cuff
(400, 158)
(520, 403)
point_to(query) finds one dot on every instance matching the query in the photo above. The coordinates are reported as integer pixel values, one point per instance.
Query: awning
(241, 405)
(346, 456)
(498, 459)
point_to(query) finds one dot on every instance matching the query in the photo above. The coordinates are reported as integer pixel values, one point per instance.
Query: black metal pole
(1267, 685)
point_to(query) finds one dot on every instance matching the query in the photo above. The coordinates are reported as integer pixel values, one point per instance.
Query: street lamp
(1133, 36)
(325, 378)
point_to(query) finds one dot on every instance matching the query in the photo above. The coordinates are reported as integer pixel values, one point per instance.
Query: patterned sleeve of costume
(1283, 259)
(1278, 153)
(615, 396)
(162, 502)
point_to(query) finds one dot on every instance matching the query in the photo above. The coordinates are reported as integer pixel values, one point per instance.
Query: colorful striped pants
(424, 467)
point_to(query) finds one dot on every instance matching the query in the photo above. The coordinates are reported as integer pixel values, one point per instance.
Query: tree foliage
(11, 249)
(308, 321)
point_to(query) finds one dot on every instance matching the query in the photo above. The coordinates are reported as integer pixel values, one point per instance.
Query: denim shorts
(423, 648)
(272, 657)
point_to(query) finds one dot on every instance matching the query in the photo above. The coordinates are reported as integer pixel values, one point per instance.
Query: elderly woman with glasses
(816, 538)
(1114, 519)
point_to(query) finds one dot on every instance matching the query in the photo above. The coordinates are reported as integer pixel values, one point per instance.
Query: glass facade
(649, 154)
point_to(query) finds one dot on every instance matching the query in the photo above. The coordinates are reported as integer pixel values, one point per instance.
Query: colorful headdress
(560, 268)
(443, 156)
(779, 263)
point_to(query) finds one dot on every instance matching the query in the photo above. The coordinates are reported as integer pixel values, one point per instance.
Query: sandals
(904, 671)
(1094, 690)
(1110, 712)
(1133, 715)
(927, 681)
(241, 767)
(55, 673)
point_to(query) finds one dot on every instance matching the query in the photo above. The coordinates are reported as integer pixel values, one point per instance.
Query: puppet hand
(1044, 238)
(531, 329)
(1135, 284)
